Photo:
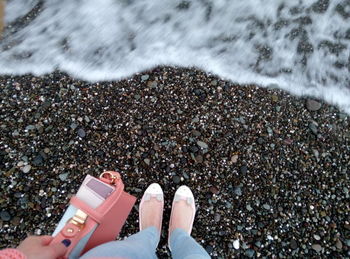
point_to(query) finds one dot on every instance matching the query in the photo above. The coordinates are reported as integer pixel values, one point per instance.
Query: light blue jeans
(143, 245)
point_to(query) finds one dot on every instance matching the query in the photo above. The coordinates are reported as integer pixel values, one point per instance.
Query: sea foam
(301, 46)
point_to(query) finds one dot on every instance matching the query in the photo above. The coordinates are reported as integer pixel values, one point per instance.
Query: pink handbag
(96, 214)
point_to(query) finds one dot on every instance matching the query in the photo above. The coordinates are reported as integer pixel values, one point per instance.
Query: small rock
(196, 133)
(63, 176)
(313, 105)
(73, 125)
(260, 141)
(237, 190)
(313, 128)
(250, 253)
(26, 169)
(144, 77)
(244, 169)
(234, 159)
(293, 244)
(317, 247)
(249, 208)
(38, 160)
(214, 82)
(5, 216)
(317, 237)
(202, 144)
(147, 161)
(81, 133)
(137, 96)
(30, 127)
(339, 244)
(266, 206)
(214, 190)
(15, 221)
(274, 98)
(217, 217)
(236, 244)
(199, 159)
(152, 84)
(176, 179)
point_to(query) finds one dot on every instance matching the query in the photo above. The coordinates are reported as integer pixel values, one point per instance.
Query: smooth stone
(81, 133)
(236, 244)
(244, 169)
(176, 179)
(237, 191)
(317, 237)
(261, 140)
(144, 77)
(266, 206)
(199, 159)
(63, 176)
(26, 169)
(30, 127)
(317, 247)
(147, 161)
(15, 221)
(313, 128)
(313, 105)
(250, 253)
(217, 217)
(249, 208)
(38, 160)
(214, 190)
(293, 244)
(234, 159)
(73, 126)
(202, 144)
(196, 133)
(339, 244)
(5, 216)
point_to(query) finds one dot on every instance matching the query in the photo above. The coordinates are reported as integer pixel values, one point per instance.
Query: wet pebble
(244, 169)
(5, 215)
(81, 133)
(144, 77)
(313, 105)
(202, 144)
(250, 253)
(176, 179)
(26, 169)
(317, 247)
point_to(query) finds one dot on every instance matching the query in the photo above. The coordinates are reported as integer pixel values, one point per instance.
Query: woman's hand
(38, 247)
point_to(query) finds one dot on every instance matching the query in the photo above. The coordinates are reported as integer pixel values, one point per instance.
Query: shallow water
(299, 46)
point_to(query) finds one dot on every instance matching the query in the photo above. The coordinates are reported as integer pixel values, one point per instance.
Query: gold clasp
(79, 219)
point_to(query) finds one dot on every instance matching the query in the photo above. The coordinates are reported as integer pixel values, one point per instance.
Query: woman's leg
(140, 245)
(144, 243)
(185, 247)
(182, 216)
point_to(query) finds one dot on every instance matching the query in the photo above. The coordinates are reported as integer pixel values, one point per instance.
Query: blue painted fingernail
(66, 242)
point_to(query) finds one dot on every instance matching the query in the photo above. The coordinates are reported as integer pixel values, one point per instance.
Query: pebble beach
(269, 171)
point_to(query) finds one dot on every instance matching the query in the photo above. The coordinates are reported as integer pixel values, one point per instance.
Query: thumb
(58, 249)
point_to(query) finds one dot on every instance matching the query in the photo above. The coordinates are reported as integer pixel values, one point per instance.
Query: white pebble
(236, 244)
(26, 169)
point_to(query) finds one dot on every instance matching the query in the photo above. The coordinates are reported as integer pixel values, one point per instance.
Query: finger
(45, 240)
(57, 250)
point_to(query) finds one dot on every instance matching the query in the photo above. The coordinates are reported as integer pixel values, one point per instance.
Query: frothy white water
(299, 46)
